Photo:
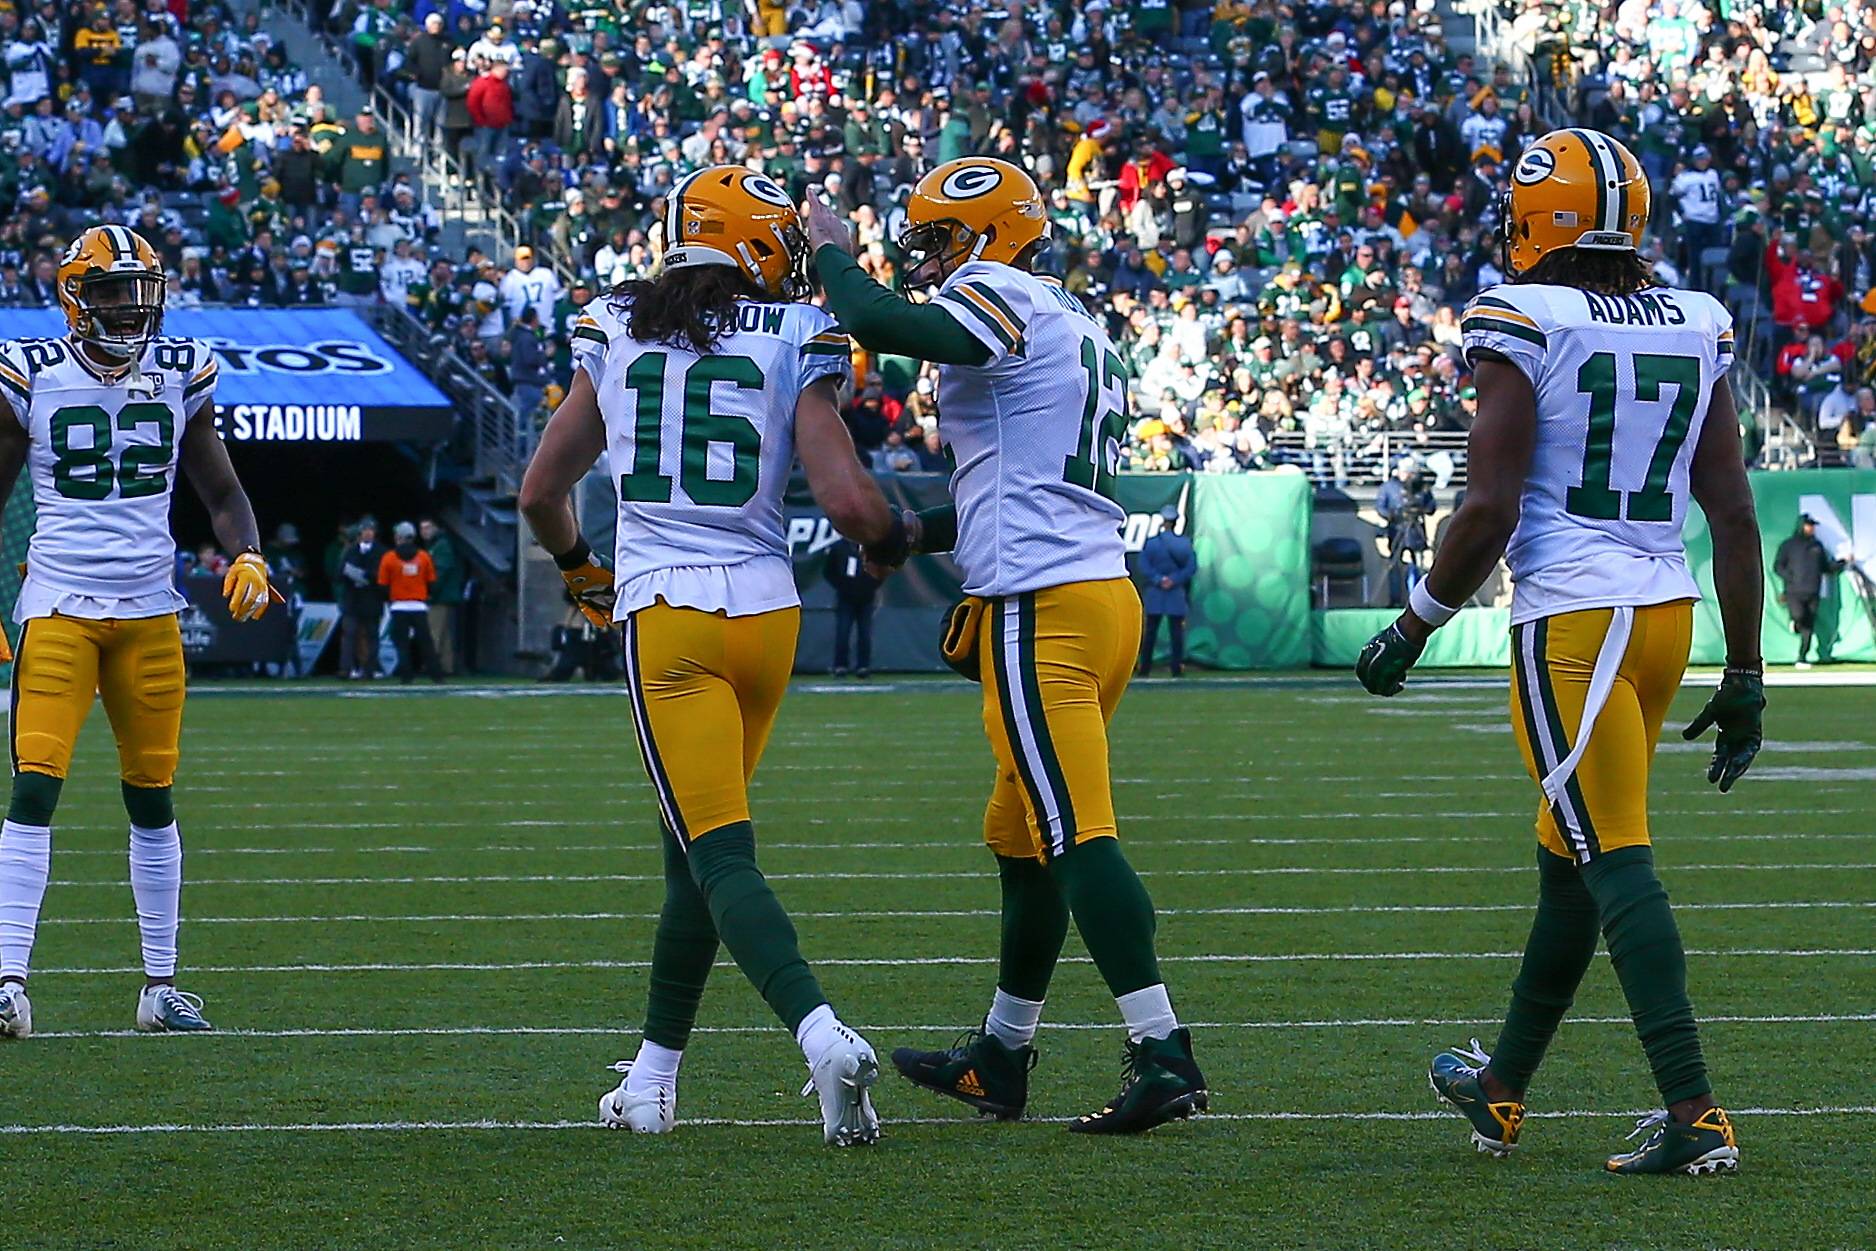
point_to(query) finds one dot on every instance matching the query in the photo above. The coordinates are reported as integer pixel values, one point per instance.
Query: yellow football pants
(1604, 805)
(135, 665)
(1055, 663)
(705, 690)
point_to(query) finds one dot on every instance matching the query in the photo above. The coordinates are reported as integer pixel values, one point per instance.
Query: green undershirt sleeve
(940, 532)
(884, 322)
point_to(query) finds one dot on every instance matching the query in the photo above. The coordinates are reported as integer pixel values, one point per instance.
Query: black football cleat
(978, 1070)
(1159, 1082)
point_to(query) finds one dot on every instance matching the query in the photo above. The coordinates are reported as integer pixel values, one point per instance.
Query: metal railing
(486, 423)
(1366, 460)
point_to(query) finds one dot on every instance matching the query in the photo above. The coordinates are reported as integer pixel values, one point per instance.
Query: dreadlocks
(1606, 273)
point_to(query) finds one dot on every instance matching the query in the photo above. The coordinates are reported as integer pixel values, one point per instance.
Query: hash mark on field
(360, 1127)
(612, 1031)
(450, 966)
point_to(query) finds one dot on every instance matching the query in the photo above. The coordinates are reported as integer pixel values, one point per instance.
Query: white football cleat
(643, 1112)
(843, 1078)
(16, 1012)
(164, 1009)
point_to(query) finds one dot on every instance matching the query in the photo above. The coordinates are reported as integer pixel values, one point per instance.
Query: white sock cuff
(143, 834)
(13, 834)
(1148, 1012)
(819, 1019)
(1012, 1020)
(655, 1065)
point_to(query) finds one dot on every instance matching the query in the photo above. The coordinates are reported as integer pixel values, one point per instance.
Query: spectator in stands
(456, 120)
(491, 112)
(406, 574)
(528, 375)
(1168, 565)
(426, 60)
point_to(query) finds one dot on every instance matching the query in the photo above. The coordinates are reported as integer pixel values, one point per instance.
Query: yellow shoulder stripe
(994, 312)
(1499, 314)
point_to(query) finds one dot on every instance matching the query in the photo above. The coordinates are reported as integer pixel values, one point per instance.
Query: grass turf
(414, 870)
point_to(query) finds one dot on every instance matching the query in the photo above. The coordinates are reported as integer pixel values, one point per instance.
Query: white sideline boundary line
(444, 966)
(605, 1031)
(1328, 910)
(363, 1127)
(1233, 871)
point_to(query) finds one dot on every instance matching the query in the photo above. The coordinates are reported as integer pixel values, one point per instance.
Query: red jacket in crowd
(1803, 296)
(1137, 175)
(491, 103)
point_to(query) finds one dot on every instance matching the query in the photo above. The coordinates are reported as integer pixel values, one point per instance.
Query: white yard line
(408, 1127)
(436, 918)
(1267, 871)
(617, 1031)
(453, 966)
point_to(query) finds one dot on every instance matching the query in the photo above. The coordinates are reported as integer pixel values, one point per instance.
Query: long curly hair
(691, 308)
(1606, 273)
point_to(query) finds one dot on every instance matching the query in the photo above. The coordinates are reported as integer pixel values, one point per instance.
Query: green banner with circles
(1250, 598)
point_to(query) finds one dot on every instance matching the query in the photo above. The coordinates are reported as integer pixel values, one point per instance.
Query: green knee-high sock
(681, 954)
(751, 922)
(1112, 911)
(1557, 954)
(1651, 964)
(35, 798)
(1035, 925)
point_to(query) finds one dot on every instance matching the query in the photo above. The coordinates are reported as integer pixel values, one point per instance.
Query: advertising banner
(319, 375)
(211, 636)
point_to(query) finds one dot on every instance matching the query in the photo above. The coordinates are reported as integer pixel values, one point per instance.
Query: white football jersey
(103, 457)
(1034, 433)
(703, 447)
(1622, 385)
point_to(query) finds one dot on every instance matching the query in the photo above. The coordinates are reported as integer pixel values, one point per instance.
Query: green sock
(1035, 925)
(150, 807)
(751, 922)
(1651, 964)
(681, 954)
(35, 798)
(1112, 911)
(1556, 955)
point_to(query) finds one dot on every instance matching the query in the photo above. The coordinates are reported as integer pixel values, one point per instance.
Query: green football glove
(1738, 708)
(1385, 659)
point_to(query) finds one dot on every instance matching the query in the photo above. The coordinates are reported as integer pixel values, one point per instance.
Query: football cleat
(164, 1009)
(644, 1112)
(1159, 1082)
(16, 1012)
(843, 1078)
(1454, 1077)
(978, 1069)
(1706, 1145)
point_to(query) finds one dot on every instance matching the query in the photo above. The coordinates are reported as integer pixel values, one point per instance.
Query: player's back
(1622, 386)
(701, 446)
(1035, 434)
(103, 456)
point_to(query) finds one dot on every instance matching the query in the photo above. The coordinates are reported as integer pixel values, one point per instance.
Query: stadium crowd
(1278, 208)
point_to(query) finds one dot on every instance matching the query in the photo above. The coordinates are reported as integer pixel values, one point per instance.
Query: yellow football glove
(6, 649)
(589, 582)
(246, 587)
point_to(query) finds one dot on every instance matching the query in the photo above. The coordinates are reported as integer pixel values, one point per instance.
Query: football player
(103, 418)
(1033, 401)
(701, 386)
(1603, 407)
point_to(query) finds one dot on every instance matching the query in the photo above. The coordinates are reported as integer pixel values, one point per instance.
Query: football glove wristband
(245, 587)
(589, 582)
(1384, 661)
(901, 541)
(1738, 709)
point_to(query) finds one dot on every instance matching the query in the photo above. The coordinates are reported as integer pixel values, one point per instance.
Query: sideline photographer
(1404, 502)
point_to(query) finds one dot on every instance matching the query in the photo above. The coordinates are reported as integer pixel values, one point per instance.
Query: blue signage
(295, 375)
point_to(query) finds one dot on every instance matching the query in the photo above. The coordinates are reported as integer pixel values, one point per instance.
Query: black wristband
(571, 559)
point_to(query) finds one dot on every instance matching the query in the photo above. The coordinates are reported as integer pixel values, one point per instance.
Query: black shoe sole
(985, 1107)
(1178, 1108)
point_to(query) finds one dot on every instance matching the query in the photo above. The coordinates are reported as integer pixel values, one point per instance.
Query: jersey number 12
(1596, 499)
(1100, 427)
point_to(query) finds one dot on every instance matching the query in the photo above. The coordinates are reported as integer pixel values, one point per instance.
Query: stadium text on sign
(292, 423)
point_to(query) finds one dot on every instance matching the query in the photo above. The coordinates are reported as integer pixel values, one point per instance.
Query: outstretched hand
(1738, 709)
(825, 227)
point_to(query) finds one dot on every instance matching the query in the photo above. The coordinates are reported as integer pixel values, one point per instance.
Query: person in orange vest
(406, 574)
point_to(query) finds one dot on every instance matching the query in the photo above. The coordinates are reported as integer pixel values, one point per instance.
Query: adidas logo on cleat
(969, 1085)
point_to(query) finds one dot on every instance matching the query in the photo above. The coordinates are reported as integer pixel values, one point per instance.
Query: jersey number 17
(1597, 499)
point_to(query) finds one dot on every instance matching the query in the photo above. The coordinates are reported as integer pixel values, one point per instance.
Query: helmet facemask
(119, 313)
(936, 249)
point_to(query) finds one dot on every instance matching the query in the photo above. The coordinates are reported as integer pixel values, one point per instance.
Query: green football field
(420, 923)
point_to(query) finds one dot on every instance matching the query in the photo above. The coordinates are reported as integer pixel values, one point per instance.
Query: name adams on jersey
(103, 458)
(1622, 385)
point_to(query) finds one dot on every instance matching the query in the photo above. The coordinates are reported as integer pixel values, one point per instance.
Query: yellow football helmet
(729, 215)
(1574, 189)
(110, 284)
(975, 208)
